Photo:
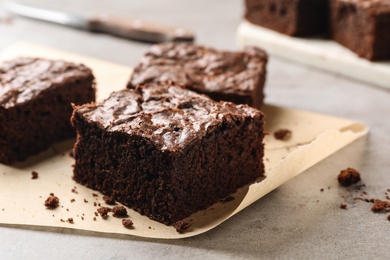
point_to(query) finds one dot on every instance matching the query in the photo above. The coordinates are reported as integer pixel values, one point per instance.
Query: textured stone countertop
(295, 221)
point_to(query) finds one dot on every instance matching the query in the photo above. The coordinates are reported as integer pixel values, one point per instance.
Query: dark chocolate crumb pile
(109, 200)
(52, 202)
(103, 211)
(119, 212)
(127, 223)
(348, 177)
(34, 175)
(283, 134)
(181, 226)
(380, 206)
(70, 220)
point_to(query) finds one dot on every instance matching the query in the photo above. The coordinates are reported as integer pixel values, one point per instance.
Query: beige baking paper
(314, 137)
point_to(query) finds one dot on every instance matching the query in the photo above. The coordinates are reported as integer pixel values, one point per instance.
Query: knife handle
(138, 30)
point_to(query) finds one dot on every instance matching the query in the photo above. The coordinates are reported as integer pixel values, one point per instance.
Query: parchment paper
(314, 137)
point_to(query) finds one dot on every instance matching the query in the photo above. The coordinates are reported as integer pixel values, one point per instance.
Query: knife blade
(133, 29)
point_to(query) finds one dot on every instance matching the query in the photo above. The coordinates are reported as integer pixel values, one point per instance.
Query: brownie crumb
(94, 218)
(86, 201)
(181, 226)
(94, 204)
(227, 199)
(283, 134)
(70, 220)
(51, 194)
(62, 220)
(34, 175)
(96, 214)
(380, 205)
(74, 190)
(52, 202)
(348, 177)
(321, 190)
(109, 200)
(72, 200)
(119, 211)
(343, 206)
(82, 218)
(95, 195)
(103, 211)
(127, 223)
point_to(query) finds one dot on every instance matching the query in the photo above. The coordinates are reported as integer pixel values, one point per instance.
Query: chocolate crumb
(283, 134)
(51, 194)
(95, 204)
(74, 191)
(103, 211)
(348, 177)
(227, 199)
(181, 226)
(82, 218)
(380, 205)
(86, 201)
(34, 175)
(62, 220)
(52, 202)
(70, 220)
(127, 223)
(119, 211)
(343, 206)
(67, 209)
(72, 200)
(109, 200)
(95, 195)
(96, 214)
(94, 218)
(321, 190)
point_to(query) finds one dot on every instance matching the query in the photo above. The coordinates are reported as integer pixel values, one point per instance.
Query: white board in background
(324, 54)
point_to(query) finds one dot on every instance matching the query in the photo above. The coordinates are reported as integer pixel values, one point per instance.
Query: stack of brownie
(363, 26)
(164, 148)
(168, 145)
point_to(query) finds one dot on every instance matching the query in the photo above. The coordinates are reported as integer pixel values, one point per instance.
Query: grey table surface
(296, 221)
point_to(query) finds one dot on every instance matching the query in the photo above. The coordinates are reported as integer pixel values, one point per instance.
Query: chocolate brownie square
(35, 104)
(362, 26)
(237, 77)
(301, 18)
(166, 151)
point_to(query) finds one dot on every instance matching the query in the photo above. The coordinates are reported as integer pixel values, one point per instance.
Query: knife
(133, 29)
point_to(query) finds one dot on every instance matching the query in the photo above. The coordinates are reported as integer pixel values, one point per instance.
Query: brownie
(237, 77)
(362, 26)
(166, 151)
(300, 18)
(35, 104)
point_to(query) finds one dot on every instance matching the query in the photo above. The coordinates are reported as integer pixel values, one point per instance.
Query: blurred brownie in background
(301, 18)
(363, 26)
(237, 77)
